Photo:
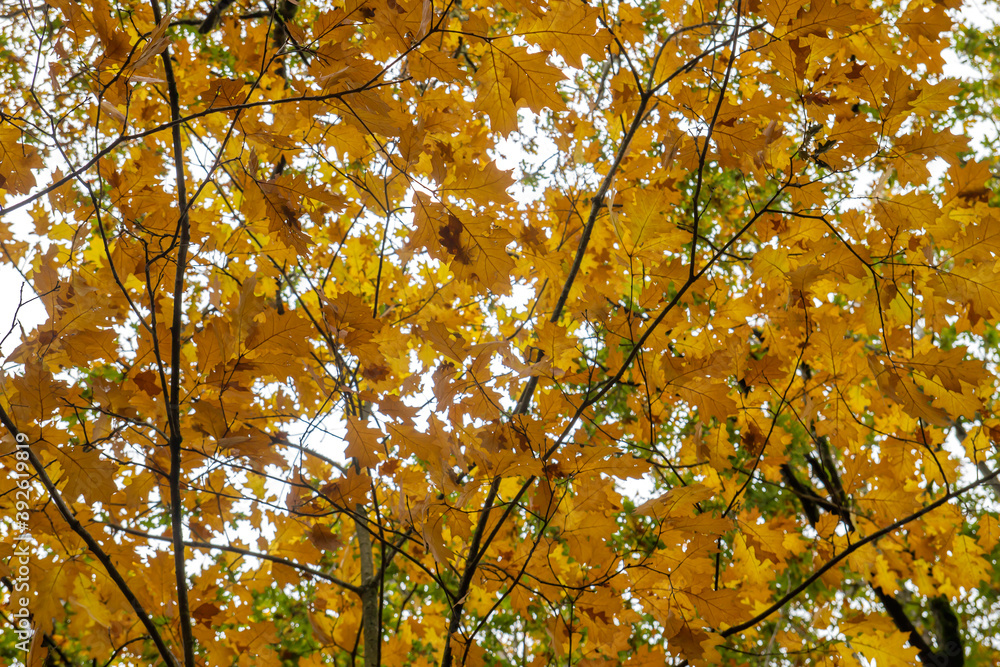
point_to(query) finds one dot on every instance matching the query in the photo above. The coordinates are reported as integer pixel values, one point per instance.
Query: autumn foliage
(426, 332)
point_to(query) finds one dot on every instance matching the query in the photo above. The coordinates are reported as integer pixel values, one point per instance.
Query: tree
(324, 378)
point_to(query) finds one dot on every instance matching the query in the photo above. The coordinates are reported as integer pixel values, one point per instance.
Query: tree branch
(904, 624)
(830, 564)
(370, 617)
(176, 338)
(92, 544)
(210, 546)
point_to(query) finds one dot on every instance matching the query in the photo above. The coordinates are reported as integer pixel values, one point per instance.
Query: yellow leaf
(887, 649)
(512, 78)
(363, 442)
(676, 502)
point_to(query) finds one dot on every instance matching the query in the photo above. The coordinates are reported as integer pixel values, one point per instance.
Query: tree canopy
(437, 332)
